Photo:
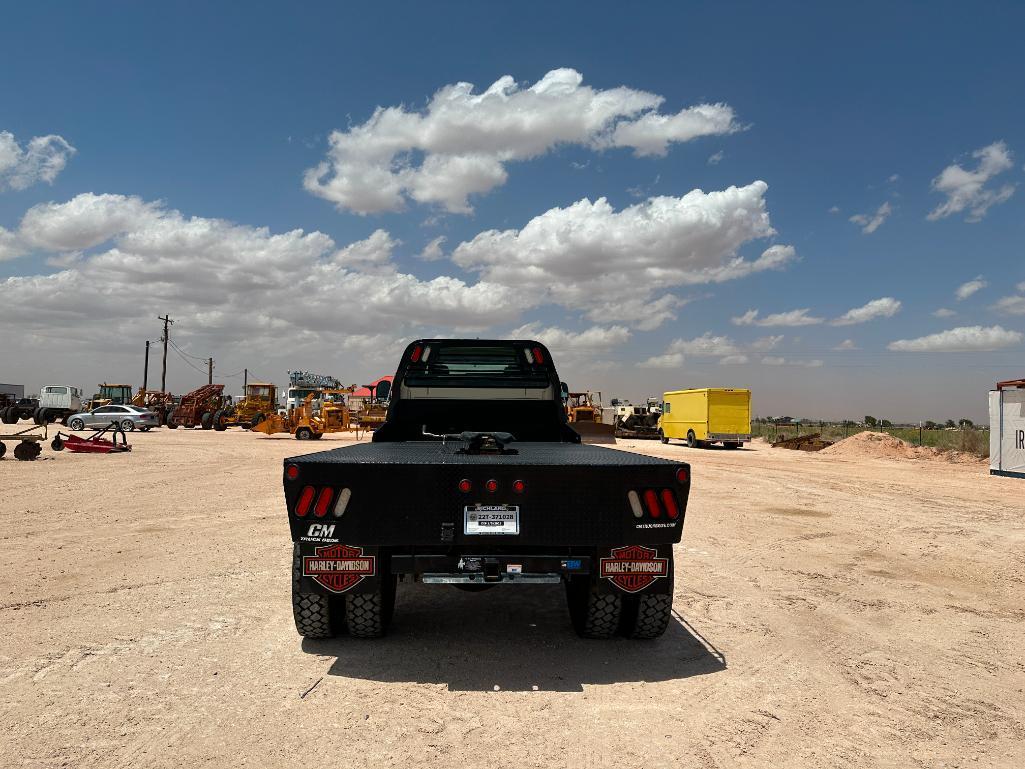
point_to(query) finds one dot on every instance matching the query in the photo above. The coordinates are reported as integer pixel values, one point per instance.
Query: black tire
(303, 433)
(593, 615)
(37, 416)
(26, 451)
(647, 616)
(57, 444)
(692, 441)
(662, 437)
(76, 424)
(316, 616)
(256, 420)
(9, 415)
(219, 425)
(3, 449)
(206, 420)
(170, 420)
(127, 425)
(317, 436)
(368, 615)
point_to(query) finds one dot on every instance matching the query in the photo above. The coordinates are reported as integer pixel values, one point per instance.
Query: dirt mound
(884, 446)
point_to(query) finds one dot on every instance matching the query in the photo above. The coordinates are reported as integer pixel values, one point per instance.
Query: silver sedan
(128, 417)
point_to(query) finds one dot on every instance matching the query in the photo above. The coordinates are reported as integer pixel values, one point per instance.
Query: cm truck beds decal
(339, 567)
(633, 568)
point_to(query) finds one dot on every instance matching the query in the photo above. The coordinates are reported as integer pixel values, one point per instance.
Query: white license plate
(491, 519)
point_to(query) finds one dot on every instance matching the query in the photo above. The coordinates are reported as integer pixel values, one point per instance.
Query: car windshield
(476, 366)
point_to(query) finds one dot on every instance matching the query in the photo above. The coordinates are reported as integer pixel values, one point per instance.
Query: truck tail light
(324, 500)
(305, 500)
(343, 502)
(539, 357)
(635, 504)
(651, 502)
(682, 475)
(519, 487)
(292, 472)
(669, 501)
(415, 355)
(465, 485)
(491, 485)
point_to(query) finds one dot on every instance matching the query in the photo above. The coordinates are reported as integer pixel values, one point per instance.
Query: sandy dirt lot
(833, 612)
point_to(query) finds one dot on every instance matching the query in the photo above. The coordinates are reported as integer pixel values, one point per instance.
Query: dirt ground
(833, 612)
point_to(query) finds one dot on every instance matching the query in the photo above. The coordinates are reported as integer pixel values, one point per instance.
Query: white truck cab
(57, 403)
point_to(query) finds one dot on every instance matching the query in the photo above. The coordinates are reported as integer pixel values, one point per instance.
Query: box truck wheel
(692, 440)
(662, 437)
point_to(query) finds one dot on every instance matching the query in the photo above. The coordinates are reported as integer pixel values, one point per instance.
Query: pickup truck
(476, 480)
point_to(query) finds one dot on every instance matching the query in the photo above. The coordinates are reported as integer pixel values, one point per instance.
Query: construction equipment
(29, 442)
(197, 408)
(373, 409)
(302, 383)
(633, 421)
(807, 442)
(261, 399)
(157, 401)
(583, 411)
(312, 419)
(117, 394)
(95, 443)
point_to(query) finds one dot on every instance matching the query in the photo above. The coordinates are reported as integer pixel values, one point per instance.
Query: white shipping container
(1007, 432)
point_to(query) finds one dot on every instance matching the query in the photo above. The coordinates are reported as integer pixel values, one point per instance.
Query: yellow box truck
(708, 415)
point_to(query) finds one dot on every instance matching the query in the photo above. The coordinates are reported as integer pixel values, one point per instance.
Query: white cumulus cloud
(973, 286)
(588, 255)
(885, 307)
(559, 340)
(11, 246)
(669, 360)
(967, 190)
(460, 144)
(1012, 305)
(789, 318)
(41, 160)
(962, 339)
(943, 312)
(869, 223)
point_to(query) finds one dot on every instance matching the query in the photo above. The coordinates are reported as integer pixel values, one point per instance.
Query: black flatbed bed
(434, 453)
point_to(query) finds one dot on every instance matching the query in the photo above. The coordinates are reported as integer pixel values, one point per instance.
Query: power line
(194, 357)
(187, 361)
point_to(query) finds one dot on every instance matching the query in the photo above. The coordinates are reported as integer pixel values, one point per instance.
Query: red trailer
(196, 409)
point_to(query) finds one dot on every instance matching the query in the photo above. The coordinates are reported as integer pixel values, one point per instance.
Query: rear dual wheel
(366, 615)
(206, 420)
(9, 415)
(603, 616)
(219, 421)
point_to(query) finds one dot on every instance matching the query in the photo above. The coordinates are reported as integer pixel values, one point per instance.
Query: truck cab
(57, 403)
(476, 479)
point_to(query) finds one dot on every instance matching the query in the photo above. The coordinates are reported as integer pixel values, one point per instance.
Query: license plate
(491, 519)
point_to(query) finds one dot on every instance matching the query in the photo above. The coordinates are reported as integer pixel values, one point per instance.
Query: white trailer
(1007, 429)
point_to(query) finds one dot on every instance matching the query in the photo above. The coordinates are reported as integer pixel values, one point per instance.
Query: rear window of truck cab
(447, 365)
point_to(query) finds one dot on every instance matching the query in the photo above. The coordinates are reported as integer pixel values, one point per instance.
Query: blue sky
(218, 113)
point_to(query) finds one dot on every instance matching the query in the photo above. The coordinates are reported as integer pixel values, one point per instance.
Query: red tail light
(491, 486)
(305, 500)
(539, 356)
(415, 356)
(292, 472)
(651, 502)
(681, 475)
(327, 495)
(519, 487)
(465, 485)
(669, 500)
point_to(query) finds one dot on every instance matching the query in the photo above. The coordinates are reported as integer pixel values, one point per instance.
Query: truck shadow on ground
(514, 639)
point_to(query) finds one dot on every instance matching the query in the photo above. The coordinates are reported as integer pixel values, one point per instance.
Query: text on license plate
(491, 519)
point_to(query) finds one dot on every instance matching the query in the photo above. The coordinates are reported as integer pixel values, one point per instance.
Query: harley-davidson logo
(339, 567)
(633, 567)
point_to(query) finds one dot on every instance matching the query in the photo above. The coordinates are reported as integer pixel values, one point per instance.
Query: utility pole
(210, 371)
(245, 380)
(163, 371)
(145, 369)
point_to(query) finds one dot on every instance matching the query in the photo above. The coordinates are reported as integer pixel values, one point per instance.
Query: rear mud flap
(633, 569)
(334, 568)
